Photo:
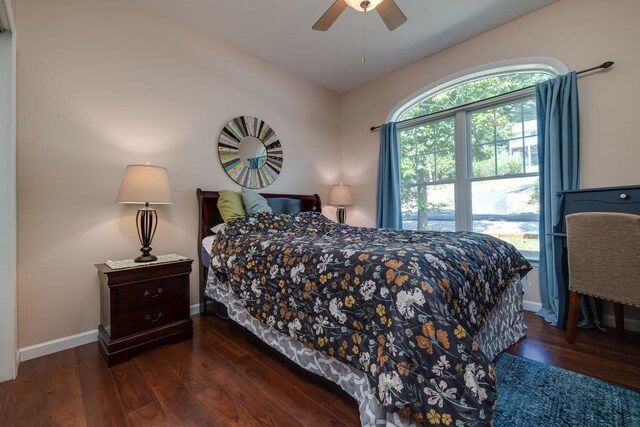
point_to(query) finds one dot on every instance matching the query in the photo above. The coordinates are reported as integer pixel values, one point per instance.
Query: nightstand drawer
(151, 293)
(135, 321)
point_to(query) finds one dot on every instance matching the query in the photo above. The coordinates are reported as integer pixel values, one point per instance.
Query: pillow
(230, 205)
(216, 228)
(254, 202)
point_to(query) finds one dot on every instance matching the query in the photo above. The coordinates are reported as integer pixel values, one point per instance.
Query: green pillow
(230, 205)
(254, 202)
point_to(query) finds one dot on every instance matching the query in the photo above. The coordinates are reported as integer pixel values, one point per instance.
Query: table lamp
(341, 195)
(145, 185)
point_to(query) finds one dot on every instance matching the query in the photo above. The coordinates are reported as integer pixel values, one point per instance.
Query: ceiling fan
(387, 9)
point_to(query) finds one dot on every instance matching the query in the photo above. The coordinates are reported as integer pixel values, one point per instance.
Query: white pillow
(217, 228)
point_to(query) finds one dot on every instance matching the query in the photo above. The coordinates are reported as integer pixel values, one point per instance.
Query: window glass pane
(482, 128)
(508, 121)
(484, 160)
(426, 169)
(445, 135)
(476, 90)
(508, 209)
(505, 124)
(421, 148)
(445, 165)
(408, 165)
(529, 112)
(429, 207)
(510, 157)
(531, 154)
(409, 207)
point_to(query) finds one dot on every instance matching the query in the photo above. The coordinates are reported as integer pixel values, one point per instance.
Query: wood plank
(230, 349)
(64, 405)
(191, 366)
(312, 385)
(305, 409)
(26, 405)
(216, 400)
(6, 390)
(180, 406)
(347, 410)
(260, 406)
(316, 387)
(184, 362)
(197, 344)
(324, 418)
(132, 386)
(151, 415)
(101, 401)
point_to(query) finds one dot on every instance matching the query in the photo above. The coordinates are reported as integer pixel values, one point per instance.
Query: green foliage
(474, 91)
(427, 151)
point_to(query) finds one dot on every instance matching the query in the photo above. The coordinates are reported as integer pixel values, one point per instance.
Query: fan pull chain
(364, 14)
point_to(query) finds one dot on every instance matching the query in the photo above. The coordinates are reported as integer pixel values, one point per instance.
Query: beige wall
(581, 33)
(106, 83)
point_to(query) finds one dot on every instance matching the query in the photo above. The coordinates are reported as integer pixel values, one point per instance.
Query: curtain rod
(602, 66)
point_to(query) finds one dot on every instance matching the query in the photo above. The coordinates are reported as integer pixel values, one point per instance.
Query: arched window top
(474, 90)
(476, 84)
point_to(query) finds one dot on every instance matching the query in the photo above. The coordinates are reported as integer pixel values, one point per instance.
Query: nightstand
(142, 307)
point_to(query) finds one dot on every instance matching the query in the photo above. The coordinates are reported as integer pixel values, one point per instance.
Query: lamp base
(147, 222)
(146, 258)
(341, 214)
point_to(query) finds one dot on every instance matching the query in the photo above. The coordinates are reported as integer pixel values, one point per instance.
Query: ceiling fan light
(356, 4)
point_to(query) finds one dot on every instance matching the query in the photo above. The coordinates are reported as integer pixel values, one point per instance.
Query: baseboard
(629, 324)
(195, 309)
(607, 319)
(531, 306)
(38, 350)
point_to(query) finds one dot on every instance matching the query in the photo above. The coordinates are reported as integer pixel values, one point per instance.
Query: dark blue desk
(607, 199)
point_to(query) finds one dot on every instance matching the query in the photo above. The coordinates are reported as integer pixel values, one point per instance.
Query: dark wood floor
(224, 376)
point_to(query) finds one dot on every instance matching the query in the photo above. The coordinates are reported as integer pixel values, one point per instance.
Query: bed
(368, 316)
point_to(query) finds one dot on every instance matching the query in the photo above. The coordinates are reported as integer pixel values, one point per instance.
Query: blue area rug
(531, 393)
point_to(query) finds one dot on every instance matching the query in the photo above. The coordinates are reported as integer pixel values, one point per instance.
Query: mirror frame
(232, 135)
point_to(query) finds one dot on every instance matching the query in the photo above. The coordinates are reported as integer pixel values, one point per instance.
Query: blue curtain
(558, 153)
(388, 213)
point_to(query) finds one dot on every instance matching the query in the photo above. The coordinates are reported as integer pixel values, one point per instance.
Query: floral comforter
(402, 306)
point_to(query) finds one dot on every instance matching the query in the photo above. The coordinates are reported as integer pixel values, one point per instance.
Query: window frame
(462, 124)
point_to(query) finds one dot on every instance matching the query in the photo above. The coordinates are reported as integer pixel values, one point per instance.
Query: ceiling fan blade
(330, 16)
(391, 14)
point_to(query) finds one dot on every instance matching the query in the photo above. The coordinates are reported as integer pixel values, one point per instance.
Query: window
(469, 159)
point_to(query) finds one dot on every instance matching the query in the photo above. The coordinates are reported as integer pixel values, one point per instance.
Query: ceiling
(279, 31)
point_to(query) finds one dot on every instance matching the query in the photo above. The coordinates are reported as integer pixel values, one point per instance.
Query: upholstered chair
(604, 259)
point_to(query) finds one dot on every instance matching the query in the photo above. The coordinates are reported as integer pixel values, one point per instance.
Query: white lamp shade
(341, 195)
(145, 184)
(356, 4)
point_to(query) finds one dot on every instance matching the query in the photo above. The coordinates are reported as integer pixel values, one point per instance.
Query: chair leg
(618, 311)
(572, 319)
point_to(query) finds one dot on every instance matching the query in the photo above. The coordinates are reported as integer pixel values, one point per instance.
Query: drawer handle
(149, 319)
(157, 294)
(623, 196)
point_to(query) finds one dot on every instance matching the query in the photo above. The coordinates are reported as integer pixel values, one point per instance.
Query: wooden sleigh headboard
(209, 216)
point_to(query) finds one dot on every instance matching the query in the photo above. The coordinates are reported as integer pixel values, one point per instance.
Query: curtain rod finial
(607, 64)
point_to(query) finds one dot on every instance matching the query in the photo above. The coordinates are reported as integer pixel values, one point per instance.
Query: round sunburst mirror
(250, 152)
